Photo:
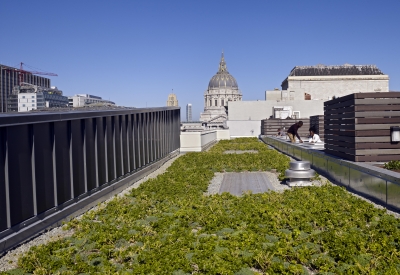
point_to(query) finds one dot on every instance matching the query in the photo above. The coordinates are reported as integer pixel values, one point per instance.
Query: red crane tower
(22, 72)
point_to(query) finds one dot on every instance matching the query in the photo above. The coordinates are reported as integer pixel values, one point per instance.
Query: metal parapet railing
(378, 184)
(54, 164)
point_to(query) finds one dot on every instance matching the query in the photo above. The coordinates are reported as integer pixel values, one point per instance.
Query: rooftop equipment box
(357, 126)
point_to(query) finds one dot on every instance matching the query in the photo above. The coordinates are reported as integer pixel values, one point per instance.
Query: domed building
(221, 89)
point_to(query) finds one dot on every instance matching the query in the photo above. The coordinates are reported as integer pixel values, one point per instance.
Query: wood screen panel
(357, 126)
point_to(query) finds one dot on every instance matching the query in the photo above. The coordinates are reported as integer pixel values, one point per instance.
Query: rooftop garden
(169, 226)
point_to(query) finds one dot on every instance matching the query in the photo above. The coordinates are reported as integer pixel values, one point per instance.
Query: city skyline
(134, 53)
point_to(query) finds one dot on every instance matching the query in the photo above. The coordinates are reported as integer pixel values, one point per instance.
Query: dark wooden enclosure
(357, 126)
(318, 123)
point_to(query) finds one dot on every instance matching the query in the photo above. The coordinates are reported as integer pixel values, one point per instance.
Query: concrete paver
(239, 183)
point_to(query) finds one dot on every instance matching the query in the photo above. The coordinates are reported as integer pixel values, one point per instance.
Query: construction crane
(21, 73)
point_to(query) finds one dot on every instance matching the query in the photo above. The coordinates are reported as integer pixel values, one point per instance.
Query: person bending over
(314, 138)
(292, 132)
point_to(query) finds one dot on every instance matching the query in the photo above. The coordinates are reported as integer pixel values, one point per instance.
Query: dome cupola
(222, 79)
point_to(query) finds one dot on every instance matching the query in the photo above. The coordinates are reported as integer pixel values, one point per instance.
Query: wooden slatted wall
(269, 127)
(357, 126)
(318, 123)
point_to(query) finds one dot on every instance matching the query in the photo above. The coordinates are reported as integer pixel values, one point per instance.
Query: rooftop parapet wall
(52, 164)
(378, 184)
(357, 126)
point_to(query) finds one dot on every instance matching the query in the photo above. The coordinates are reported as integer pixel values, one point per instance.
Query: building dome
(222, 89)
(222, 79)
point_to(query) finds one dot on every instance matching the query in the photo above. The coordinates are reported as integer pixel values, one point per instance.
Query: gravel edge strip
(10, 259)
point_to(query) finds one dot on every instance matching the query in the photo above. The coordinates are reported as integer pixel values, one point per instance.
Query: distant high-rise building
(172, 100)
(11, 77)
(189, 112)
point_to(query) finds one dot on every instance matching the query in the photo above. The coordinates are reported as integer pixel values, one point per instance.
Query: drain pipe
(299, 173)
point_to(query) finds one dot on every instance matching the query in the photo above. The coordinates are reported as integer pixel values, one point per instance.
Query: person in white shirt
(314, 138)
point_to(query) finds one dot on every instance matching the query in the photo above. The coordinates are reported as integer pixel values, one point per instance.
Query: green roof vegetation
(168, 226)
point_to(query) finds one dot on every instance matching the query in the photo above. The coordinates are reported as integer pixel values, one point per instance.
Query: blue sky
(136, 52)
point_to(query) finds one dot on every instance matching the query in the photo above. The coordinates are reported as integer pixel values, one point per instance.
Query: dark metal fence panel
(136, 139)
(62, 144)
(43, 134)
(90, 157)
(51, 160)
(151, 137)
(165, 141)
(177, 129)
(159, 135)
(155, 139)
(19, 140)
(3, 189)
(146, 137)
(142, 130)
(124, 145)
(78, 162)
(101, 150)
(110, 148)
(131, 144)
(118, 146)
(168, 130)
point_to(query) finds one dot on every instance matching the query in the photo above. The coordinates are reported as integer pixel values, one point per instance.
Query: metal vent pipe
(299, 173)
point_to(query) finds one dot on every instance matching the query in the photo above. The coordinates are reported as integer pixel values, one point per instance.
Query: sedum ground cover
(168, 226)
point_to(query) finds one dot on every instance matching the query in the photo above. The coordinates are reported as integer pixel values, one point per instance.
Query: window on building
(23, 105)
(33, 105)
(23, 96)
(216, 102)
(210, 102)
(222, 102)
(33, 96)
(33, 100)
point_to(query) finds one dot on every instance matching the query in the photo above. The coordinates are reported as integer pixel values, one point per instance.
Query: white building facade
(30, 101)
(28, 97)
(222, 89)
(326, 82)
(82, 100)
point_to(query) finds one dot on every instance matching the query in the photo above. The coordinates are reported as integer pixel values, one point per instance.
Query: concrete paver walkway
(239, 183)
